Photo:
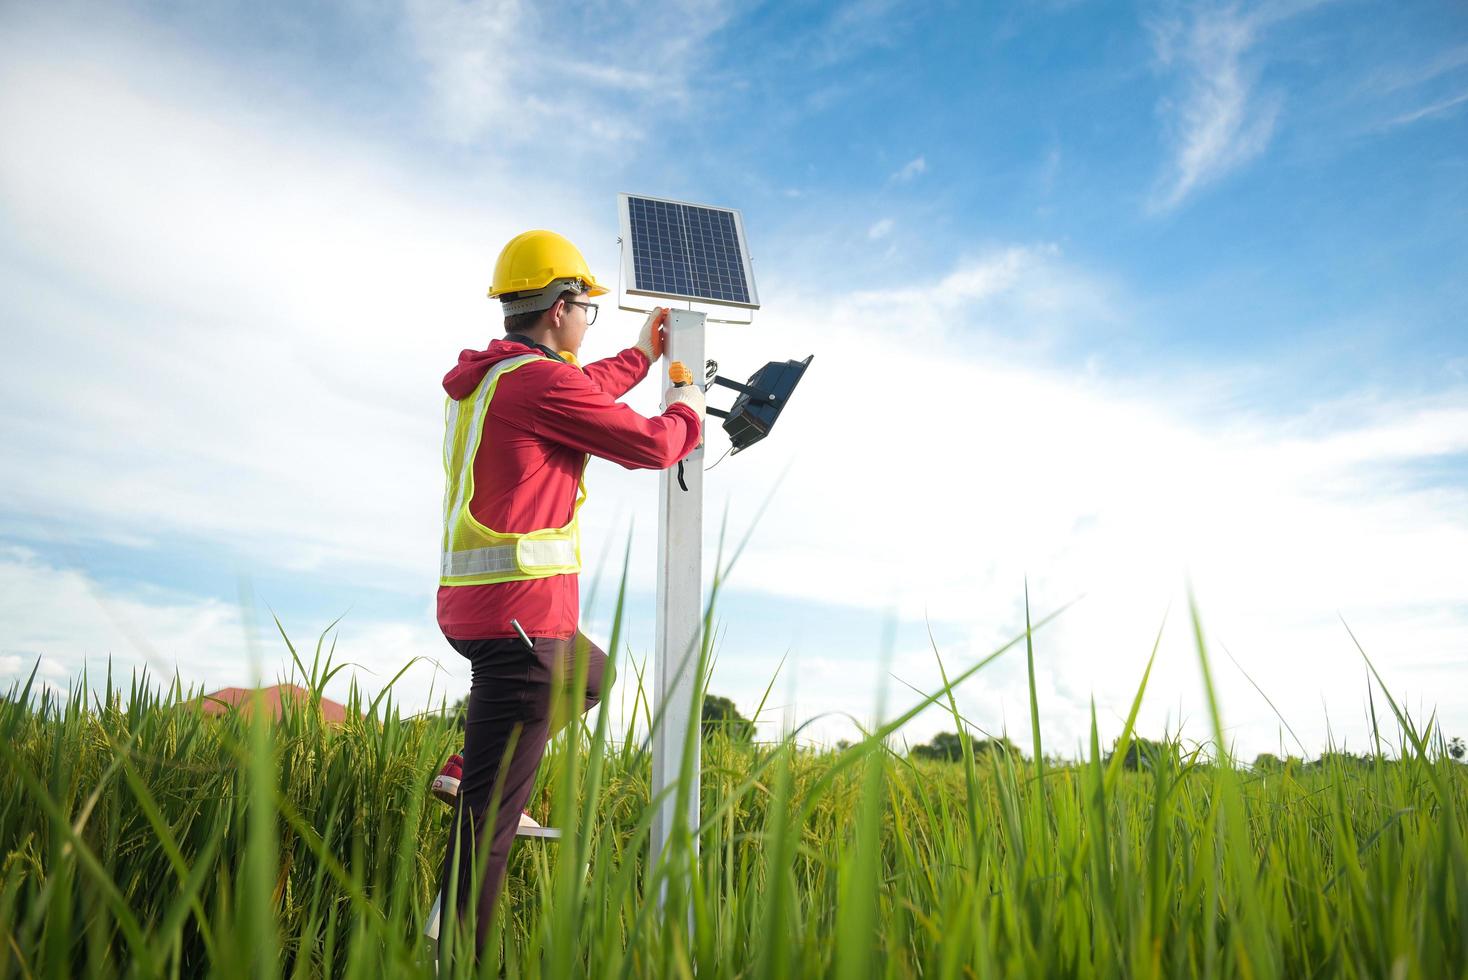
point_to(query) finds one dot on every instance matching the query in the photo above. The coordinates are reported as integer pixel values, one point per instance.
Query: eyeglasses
(590, 309)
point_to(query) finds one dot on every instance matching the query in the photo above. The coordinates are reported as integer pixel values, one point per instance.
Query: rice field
(140, 837)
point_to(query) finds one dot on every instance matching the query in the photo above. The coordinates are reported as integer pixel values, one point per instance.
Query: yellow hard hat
(535, 259)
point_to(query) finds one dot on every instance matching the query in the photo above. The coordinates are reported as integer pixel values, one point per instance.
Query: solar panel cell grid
(686, 250)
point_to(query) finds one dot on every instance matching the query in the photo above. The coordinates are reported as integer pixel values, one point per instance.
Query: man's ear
(557, 311)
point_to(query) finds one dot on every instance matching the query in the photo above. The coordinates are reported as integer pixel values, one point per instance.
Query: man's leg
(498, 715)
(511, 697)
(557, 661)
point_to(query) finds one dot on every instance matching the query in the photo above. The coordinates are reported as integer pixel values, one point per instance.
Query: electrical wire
(719, 460)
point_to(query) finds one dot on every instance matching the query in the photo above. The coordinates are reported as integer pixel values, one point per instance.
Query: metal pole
(680, 602)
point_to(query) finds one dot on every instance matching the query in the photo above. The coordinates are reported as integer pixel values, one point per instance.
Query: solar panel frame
(715, 281)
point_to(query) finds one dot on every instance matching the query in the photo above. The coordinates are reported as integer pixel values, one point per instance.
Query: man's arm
(620, 373)
(570, 408)
(617, 375)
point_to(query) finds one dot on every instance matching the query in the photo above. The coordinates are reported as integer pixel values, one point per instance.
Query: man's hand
(690, 395)
(653, 335)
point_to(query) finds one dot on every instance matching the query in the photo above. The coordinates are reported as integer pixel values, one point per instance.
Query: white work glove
(650, 341)
(690, 395)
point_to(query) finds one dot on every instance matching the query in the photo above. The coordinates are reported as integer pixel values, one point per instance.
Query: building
(272, 696)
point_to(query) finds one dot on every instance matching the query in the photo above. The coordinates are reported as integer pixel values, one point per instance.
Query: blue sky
(1112, 297)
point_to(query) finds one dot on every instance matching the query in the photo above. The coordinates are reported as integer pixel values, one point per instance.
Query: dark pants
(511, 698)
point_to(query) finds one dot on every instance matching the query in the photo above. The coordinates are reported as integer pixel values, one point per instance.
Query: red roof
(330, 710)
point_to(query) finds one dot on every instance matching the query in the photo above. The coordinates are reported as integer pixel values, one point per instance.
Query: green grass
(142, 838)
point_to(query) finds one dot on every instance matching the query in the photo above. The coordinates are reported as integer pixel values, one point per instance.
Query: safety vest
(472, 553)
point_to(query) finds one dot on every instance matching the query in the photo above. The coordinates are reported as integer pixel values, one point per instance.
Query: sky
(1111, 305)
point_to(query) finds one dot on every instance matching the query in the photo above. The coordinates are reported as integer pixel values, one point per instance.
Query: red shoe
(446, 783)
(446, 788)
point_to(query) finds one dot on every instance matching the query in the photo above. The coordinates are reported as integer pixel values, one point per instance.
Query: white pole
(680, 602)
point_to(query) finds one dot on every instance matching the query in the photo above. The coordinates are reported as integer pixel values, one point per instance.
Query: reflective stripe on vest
(472, 553)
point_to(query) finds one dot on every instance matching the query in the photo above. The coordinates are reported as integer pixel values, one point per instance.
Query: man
(522, 420)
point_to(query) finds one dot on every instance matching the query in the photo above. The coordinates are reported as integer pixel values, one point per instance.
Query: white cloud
(1420, 71)
(1220, 120)
(1011, 300)
(850, 31)
(880, 229)
(518, 72)
(244, 276)
(63, 621)
(1434, 109)
(474, 56)
(934, 486)
(68, 621)
(911, 169)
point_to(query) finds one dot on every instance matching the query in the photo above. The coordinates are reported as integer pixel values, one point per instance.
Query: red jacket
(541, 422)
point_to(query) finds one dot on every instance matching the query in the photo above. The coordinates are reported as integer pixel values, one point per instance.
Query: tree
(1143, 753)
(1457, 749)
(720, 715)
(1269, 762)
(948, 746)
(983, 746)
(945, 746)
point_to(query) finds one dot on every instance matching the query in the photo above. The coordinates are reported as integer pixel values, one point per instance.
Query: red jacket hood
(473, 365)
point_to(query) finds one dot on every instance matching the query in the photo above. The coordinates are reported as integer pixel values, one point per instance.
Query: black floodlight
(760, 401)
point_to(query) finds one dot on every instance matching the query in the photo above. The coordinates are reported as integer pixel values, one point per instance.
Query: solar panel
(677, 250)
